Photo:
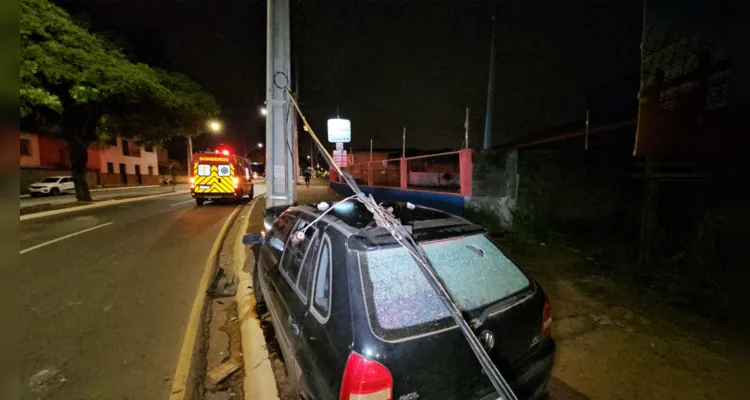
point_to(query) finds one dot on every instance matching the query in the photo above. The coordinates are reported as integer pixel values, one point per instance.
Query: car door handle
(293, 324)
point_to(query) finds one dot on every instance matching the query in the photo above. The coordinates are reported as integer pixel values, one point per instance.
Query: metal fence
(433, 172)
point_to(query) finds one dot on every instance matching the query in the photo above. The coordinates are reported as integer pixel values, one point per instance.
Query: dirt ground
(617, 342)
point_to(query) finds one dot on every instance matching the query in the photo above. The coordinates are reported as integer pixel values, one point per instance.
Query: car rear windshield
(401, 302)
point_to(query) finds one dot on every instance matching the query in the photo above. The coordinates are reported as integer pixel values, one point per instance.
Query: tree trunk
(79, 157)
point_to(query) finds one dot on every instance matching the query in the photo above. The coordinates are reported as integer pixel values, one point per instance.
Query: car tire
(257, 291)
(54, 191)
(34, 194)
(199, 201)
(252, 193)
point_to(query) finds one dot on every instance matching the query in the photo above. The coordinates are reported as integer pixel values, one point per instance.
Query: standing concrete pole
(490, 92)
(466, 129)
(280, 171)
(403, 144)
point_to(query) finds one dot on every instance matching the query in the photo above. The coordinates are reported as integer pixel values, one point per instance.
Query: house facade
(119, 161)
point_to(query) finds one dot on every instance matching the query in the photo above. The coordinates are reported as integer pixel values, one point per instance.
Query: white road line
(182, 202)
(65, 237)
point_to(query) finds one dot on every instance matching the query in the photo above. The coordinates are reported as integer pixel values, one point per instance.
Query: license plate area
(204, 187)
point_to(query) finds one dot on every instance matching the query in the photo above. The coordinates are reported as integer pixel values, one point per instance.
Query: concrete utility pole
(490, 92)
(280, 146)
(466, 129)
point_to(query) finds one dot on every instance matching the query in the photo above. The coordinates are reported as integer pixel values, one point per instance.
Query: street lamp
(214, 126)
(260, 145)
(263, 111)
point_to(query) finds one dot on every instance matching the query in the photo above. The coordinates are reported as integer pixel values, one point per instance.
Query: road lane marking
(181, 375)
(182, 202)
(64, 237)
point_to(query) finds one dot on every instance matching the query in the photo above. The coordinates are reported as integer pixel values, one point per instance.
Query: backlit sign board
(339, 130)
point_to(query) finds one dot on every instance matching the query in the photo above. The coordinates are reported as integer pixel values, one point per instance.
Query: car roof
(352, 217)
(57, 176)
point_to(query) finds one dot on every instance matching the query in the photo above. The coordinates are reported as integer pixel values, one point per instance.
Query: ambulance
(220, 175)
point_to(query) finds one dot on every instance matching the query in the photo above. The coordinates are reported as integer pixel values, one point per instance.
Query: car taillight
(192, 182)
(365, 380)
(546, 319)
(236, 182)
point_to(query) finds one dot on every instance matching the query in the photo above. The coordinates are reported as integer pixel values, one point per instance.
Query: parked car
(356, 319)
(52, 185)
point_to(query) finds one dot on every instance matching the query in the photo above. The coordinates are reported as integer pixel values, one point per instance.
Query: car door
(288, 300)
(67, 185)
(269, 258)
(326, 327)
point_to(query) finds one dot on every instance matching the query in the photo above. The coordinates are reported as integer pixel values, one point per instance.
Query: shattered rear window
(476, 274)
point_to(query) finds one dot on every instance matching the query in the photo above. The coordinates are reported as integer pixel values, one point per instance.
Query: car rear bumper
(532, 384)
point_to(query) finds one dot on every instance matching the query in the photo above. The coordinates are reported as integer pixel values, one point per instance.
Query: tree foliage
(88, 89)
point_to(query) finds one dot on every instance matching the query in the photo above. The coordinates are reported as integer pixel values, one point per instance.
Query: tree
(86, 89)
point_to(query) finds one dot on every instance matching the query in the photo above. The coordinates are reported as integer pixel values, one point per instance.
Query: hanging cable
(384, 219)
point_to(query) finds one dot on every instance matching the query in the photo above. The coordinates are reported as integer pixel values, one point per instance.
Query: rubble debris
(221, 372)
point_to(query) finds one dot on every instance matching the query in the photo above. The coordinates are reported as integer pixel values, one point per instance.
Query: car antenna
(404, 238)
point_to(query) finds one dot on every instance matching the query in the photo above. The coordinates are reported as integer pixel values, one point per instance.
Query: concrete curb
(104, 203)
(259, 382)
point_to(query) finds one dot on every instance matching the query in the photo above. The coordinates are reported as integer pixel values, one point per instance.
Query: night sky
(388, 64)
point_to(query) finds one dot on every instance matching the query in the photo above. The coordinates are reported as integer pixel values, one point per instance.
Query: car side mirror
(252, 238)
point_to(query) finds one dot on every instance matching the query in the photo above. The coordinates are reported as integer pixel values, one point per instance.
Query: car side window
(295, 253)
(277, 236)
(308, 266)
(322, 288)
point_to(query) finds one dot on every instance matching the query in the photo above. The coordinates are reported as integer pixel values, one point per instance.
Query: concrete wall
(494, 187)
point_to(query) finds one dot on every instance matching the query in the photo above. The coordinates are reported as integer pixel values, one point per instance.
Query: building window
(25, 147)
(148, 149)
(110, 168)
(125, 148)
(112, 141)
(150, 170)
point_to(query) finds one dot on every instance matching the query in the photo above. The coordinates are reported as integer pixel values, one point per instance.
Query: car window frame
(325, 242)
(293, 284)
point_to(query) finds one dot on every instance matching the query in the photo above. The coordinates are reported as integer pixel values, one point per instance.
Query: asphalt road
(104, 311)
(98, 194)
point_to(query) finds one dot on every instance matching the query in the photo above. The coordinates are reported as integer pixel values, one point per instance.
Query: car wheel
(34, 194)
(257, 291)
(54, 191)
(199, 201)
(252, 193)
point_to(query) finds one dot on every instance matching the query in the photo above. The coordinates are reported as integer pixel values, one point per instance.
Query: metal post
(403, 144)
(280, 146)
(586, 146)
(370, 150)
(490, 91)
(466, 129)
(189, 154)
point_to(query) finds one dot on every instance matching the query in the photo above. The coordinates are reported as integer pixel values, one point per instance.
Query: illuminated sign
(339, 130)
(224, 159)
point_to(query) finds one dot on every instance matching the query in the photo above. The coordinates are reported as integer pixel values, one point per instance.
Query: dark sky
(388, 64)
